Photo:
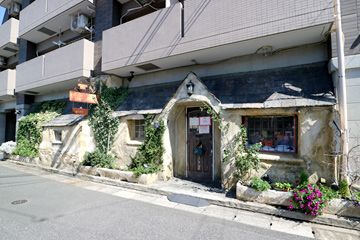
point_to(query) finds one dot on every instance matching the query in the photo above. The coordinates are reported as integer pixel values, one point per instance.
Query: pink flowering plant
(308, 199)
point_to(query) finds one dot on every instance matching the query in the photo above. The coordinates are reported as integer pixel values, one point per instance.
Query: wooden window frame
(245, 121)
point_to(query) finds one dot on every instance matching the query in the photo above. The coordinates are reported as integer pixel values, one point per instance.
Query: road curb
(326, 219)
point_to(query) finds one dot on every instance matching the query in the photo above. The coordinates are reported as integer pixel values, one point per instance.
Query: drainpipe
(342, 98)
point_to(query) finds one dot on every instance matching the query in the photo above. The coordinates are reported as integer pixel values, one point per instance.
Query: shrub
(308, 199)
(50, 106)
(328, 193)
(99, 159)
(8, 147)
(304, 178)
(259, 185)
(29, 134)
(283, 186)
(356, 199)
(344, 189)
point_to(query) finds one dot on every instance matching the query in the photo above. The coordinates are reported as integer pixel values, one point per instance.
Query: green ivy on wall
(149, 157)
(29, 133)
(50, 106)
(104, 126)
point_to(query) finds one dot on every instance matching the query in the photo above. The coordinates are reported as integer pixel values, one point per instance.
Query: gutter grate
(17, 202)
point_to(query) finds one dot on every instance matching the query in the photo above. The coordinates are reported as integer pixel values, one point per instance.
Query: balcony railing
(6, 3)
(7, 84)
(72, 62)
(9, 32)
(44, 18)
(217, 26)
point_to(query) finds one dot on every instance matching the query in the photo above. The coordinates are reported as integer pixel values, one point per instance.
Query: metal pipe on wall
(342, 98)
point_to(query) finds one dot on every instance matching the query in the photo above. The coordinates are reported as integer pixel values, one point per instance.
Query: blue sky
(2, 11)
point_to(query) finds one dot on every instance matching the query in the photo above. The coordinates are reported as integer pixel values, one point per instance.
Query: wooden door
(199, 146)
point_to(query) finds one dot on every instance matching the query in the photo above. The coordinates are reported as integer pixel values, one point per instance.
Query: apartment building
(262, 64)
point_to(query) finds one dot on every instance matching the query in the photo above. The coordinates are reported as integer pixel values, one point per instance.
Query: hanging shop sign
(80, 111)
(83, 97)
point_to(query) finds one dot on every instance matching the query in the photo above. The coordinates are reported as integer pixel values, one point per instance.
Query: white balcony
(6, 3)
(57, 70)
(7, 84)
(43, 19)
(9, 33)
(213, 31)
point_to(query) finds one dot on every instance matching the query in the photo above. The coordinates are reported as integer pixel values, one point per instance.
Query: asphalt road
(56, 210)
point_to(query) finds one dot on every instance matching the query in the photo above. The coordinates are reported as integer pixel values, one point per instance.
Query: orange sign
(83, 97)
(81, 111)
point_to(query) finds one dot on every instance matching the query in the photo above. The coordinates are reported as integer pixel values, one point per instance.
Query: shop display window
(275, 133)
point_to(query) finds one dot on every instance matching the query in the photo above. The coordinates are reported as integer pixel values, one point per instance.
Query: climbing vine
(50, 106)
(244, 157)
(104, 126)
(29, 133)
(149, 157)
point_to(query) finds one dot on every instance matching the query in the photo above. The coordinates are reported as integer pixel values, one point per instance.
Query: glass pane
(277, 134)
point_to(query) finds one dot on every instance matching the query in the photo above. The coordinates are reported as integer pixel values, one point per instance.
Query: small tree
(245, 157)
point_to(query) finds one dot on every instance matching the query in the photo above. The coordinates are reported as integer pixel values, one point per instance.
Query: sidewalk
(193, 192)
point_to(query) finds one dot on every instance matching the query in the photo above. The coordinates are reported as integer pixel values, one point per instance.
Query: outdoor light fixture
(190, 88)
(131, 76)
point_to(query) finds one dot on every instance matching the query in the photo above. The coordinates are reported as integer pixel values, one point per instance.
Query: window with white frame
(137, 129)
(275, 133)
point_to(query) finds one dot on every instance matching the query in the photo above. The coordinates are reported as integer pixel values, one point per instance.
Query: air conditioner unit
(14, 9)
(79, 23)
(2, 62)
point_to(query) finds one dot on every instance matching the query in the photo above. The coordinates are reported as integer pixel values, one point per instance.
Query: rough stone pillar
(107, 16)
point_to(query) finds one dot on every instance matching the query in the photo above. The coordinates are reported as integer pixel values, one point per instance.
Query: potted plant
(282, 186)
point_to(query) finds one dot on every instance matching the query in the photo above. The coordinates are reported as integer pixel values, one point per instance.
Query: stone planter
(344, 208)
(119, 175)
(271, 197)
(340, 207)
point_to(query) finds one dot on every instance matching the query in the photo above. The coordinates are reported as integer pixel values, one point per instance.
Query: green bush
(304, 178)
(99, 159)
(357, 197)
(50, 106)
(149, 157)
(283, 186)
(29, 133)
(328, 193)
(344, 189)
(259, 185)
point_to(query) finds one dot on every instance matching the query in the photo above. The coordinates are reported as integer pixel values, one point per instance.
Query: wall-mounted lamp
(131, 76)
(190, 88)
(17, 112)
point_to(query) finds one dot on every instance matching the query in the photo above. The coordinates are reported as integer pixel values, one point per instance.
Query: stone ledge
(339, 207)
(281, 158)
(126, 176)
(119, 175)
